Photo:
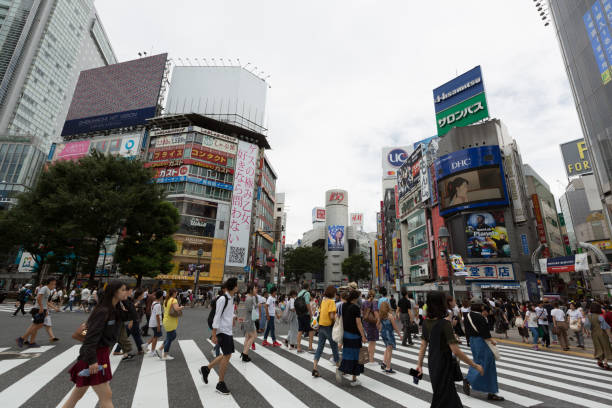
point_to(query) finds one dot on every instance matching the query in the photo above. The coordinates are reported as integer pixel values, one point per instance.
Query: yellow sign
(217, 260)
(603, 245)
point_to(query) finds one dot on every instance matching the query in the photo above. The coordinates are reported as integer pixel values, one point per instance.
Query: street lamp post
(444, 240)
(197, 277)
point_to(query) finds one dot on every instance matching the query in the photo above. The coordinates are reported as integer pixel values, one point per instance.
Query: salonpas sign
(463, 114)
(460, 101)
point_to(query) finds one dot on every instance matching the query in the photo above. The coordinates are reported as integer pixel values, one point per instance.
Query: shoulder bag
(255, 310)
(338, 330)
(492, 346)
(80, 333)
(173, 312)
(369, 317)
(364, 356)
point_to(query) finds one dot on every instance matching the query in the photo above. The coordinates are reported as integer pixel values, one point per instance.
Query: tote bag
(338, 330)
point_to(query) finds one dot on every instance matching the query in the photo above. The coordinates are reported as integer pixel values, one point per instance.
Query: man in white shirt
(85, 299)
(270, 315)
(222, 334)
(560, 325)
(542, 315)
(71, 297)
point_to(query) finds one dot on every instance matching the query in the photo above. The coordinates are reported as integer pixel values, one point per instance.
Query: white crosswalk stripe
(10, 308)
(525, 378)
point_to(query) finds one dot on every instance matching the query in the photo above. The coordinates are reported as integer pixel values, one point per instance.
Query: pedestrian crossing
(10, 307)
(281, 377)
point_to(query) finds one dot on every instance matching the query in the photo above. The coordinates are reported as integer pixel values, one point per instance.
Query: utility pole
(197, 277)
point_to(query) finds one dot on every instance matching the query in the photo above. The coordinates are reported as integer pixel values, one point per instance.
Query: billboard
(335, 238)
(503, 272)
(393, 158)
(73, 150)
(318, 214)
(357, 220)
(576, 158)
(598, 31)
(573, 263)
(408, 175)
(461, 101)
(486, 235)
(471, 178)
(242, 205)
(116, 96)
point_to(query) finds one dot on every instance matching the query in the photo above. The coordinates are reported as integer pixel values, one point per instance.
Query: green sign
(463, 114)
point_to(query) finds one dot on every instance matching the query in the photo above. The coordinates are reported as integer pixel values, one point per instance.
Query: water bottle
(85, 372)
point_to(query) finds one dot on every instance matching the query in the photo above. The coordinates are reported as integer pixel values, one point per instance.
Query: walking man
(70, 300)
(304, 314)
(39, 318)
(542, 315)
(22, 298)
(222, 334)
(406, 317)
(270, 315)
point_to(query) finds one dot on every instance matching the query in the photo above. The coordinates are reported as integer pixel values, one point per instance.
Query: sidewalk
(514, 338)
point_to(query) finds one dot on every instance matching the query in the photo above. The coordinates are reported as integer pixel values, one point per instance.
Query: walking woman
(478, 329)
(465, 309)
(327, 316)
(521, 326)
(443, 367)
(600, 331)
(388, 326)
(250, 315)
(170, 323)
(292, 320)
(501, 321)
(369, 311)
(531, 318)
(102, 331)
(575, 324)
(354, 336)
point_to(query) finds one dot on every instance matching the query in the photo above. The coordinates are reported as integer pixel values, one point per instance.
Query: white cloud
(349, 77)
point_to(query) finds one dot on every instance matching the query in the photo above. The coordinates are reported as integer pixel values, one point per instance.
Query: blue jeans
(535, 334)
(170, 336)
(68, 305)
(270, 329)
(135, 332)
(325, 333)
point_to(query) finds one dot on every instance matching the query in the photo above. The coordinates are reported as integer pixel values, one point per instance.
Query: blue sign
(595, 26)
(52, 151)
(179, 179)
(397, 157)
(463, 160)
(458, 89)
(424, 142)
(111, 121)
(525, 244)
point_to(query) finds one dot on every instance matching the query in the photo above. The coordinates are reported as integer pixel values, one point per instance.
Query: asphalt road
(276, 377)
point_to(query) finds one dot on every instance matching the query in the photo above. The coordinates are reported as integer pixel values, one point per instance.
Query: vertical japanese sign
(242, 205)
(540, 224)
(595, 23)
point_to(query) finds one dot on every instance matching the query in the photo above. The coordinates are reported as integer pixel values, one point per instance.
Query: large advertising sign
(576, 158)
(357, 220)
(116, 96)
(318, 214)
(242, 205)
(168, 154)
(73, 150)
(27, 263)
(514, 176)
(393, 158)
(598, 31)
(573, 263)
(461, 101)
(486, 235)
(503, 272)
(471, 178)
(408, 175)
(335, 238)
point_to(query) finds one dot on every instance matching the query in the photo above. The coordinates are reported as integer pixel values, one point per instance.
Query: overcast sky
(351, 76)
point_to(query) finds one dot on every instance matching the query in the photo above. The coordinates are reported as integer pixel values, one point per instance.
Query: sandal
(315, 373)
(600, 363)
(606, 367)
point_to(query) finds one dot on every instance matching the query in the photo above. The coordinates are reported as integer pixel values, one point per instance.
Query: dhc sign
(397, 157)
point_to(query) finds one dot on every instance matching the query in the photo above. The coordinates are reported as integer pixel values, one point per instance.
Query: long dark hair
(105, 303)
(451, 187)
(436, 305)
(171, 291)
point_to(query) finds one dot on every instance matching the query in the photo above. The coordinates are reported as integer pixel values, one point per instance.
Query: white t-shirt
(532, 319)
(558, 315)
(465, 310)
(456, 310)
(291, 304)
(574, 314)
(542, 315)
(72, 294)
(85, 294)
(271, 306)
(156, 310)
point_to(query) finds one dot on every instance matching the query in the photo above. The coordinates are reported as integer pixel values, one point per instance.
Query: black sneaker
(19, 342)
(466, 387)
(245, 358)
(222, 388)
(204, 371)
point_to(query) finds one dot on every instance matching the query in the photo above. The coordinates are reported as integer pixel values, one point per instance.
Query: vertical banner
(540, 224)
(242, 205)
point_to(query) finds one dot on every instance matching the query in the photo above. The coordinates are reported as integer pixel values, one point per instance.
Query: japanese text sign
(504, 272)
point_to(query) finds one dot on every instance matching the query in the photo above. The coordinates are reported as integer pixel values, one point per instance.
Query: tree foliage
(302, 260)
(356, 268)
(76, 205)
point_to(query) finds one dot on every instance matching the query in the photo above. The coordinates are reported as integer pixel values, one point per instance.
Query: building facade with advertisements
(583, 32)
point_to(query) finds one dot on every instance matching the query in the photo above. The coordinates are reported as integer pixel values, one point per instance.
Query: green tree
(356, 268)
(302, 260)
(147, 248)
(76, 205)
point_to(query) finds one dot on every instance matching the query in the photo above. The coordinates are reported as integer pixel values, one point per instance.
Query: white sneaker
(355, 383)
(152, 354)
(168, 357)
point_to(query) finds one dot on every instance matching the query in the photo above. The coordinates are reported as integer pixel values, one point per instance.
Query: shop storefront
(493, 281)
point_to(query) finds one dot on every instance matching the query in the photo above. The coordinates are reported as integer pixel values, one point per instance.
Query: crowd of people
(349, 320)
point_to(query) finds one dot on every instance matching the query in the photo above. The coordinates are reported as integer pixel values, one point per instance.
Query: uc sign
(397, 157)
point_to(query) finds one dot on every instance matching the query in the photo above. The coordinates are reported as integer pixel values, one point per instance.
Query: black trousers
(20, 307)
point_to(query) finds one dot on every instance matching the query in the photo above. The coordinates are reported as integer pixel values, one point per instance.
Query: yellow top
(327, 306)
(170, 322)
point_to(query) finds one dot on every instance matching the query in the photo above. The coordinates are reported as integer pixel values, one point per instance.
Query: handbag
(369, 315)
(80, 333)
(364, 356)
(173, 312)
(492, 346)
(519, 322)
(254, 314)
(338, 330)
(574, 325)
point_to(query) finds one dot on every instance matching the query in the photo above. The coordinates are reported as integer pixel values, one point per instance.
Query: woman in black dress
(443, 366)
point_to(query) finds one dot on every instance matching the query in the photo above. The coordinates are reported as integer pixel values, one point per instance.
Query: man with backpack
(221, 320)
(22, 298)
(304, 314)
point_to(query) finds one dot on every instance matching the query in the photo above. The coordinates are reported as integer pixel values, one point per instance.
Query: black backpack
(213, 310)
(300, 305)
(393, 304)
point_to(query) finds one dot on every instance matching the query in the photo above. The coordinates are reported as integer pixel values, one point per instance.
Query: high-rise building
(583, 30)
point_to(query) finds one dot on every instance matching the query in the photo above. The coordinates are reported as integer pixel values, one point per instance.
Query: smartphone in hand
(416, 376)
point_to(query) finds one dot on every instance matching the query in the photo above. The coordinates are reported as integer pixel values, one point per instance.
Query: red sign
(168, 154)
(172, 172)
(540, 224)
(209, 156)
(320, 214)
(397, 209)
(336, 196)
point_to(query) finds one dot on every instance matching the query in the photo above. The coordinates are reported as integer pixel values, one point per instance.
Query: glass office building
(583, 30)
(21, 161)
